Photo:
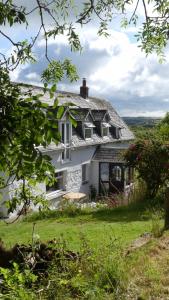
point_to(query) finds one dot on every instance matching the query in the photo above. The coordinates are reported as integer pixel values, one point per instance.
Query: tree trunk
(166, 224)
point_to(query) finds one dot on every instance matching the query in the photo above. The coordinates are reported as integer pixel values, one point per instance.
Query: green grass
(123, 223)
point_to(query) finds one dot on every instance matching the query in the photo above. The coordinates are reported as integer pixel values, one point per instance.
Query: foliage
(85, 274)
(153, 34)
(163, 128)
(151, 159)
(15, 283)
(26, 123)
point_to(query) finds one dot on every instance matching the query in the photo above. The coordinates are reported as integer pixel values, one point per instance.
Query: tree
(151, 160)
(26, 122)
(153, 34)
(163, 128)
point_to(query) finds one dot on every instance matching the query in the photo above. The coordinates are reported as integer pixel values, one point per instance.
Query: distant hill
(141, 121)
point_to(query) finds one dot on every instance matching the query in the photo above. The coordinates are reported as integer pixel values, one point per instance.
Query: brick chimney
(84, 90)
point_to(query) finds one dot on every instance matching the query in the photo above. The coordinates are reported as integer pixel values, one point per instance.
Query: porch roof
(115, 155)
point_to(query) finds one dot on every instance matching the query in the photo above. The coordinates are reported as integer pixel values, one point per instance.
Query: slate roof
(80, 114)
(109, 155)
(98, 115)
(95, 105)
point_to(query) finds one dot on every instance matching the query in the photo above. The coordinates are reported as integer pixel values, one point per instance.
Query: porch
(114, 174)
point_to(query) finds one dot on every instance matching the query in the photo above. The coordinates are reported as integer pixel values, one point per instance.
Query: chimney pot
(84, 90)
(84, 82)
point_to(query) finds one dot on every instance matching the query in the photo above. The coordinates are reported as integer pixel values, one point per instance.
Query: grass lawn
(109, 272)
(98, 226)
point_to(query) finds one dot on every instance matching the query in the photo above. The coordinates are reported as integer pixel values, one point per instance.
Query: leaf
(60, 112)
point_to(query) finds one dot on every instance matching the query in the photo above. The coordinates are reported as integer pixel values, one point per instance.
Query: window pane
(116, 173)
(104, 171)
(67, 153)
(63, 155)
(63, 133)
(105, 131)
(67, 133)
(58, 185)
(88, 133)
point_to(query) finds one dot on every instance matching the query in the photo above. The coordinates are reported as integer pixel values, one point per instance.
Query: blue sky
(115, 68)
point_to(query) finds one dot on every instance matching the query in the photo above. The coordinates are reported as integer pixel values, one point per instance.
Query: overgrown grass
(102, 269)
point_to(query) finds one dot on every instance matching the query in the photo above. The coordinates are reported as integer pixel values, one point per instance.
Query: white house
(90, 154)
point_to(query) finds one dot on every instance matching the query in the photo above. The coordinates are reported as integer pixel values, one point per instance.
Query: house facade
(90, 154)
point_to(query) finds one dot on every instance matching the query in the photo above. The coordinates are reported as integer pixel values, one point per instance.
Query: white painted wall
(73, 168)
(94, 175)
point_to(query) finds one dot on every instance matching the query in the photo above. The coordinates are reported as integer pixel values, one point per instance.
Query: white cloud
(60, 40)
(116, 69)
(142, 113)
(33, 76)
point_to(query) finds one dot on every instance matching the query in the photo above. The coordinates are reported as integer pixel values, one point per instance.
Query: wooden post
(166, 224)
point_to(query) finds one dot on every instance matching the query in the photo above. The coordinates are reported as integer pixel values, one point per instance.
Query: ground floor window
(58, 185)
(66, 154)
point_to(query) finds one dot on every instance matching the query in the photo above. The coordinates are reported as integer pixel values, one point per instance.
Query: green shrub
(15, 284)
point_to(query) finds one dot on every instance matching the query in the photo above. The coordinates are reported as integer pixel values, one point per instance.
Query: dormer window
(105, 129)
(88, 130)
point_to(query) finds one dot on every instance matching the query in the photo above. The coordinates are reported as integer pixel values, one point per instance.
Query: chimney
(84, 90)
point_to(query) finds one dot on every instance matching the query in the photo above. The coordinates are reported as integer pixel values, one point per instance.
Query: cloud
(115, 69)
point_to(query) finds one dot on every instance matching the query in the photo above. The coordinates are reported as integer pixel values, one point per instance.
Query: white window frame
(105, 126)
(91, 131)
(88, 126)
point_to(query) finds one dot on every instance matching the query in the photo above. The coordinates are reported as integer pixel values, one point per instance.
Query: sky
(115, 67)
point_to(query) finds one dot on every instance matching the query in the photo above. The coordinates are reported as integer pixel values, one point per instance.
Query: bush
(88, 274)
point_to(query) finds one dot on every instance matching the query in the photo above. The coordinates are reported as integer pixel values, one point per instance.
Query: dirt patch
(140, 242)
(38, 258)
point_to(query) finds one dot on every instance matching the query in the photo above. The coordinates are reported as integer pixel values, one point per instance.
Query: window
(67, 133)
(84, 173)
(105, 129)
(88, 130)
(104, 171)
(118, 133)
(88, 133)
(116, 173)
(58, 185)
(66, 154)
(66, 138)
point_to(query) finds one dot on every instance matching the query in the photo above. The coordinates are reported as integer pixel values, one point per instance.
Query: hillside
(141, 121)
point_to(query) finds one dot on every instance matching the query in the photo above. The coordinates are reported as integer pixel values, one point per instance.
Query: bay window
(66, 139)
